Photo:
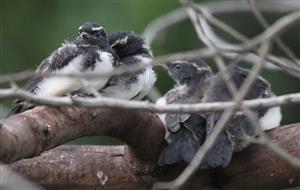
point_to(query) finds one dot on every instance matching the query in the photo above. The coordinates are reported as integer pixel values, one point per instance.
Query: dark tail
(221, 152)
(183, 146)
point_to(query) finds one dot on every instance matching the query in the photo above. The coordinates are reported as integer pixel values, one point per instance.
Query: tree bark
(76, 167)
(42, 128)
(133, 167)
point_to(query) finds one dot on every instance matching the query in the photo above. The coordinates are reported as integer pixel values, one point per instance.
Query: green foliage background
(30, 30)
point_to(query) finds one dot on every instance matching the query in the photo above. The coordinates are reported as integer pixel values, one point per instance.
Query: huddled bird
(187, 132)
(132, 51)
(239, 126)
(92, 52)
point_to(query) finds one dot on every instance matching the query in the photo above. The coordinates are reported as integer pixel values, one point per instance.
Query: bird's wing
(182, 146)
(196, 124)
(221, 153)
(239, 127)
(174, 121)
(232, 139)
(185, 142)
(58, 59)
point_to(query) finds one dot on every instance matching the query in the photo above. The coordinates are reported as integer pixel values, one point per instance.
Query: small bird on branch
(233, 139)
(132, 51)
(90, 52)
(187, 132)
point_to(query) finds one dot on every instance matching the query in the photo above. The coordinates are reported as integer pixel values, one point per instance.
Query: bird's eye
(102, 33)
(177, 66)
(98, 34)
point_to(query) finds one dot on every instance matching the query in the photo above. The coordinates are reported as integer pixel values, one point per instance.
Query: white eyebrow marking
(80, 27)
(97, 28)
(121, 41)
(200, 68)
(179, 61)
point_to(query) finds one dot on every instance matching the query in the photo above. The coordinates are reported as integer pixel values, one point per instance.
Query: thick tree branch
(42, 128)
(76, 167)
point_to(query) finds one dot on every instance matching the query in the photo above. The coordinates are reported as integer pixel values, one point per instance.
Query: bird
(185, 133)
(233, 139)
(90, 52)
(132, 50)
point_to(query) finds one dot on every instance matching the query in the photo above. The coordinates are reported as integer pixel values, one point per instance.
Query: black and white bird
(132, 50)
(89, 53)
(185, 133)
(239, 126)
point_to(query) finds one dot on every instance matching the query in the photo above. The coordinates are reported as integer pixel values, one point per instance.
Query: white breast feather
(161, 102)
(59, 85)
(103, 66)
(162, 116)
(271, 119)
(147, 79)
(141, 87)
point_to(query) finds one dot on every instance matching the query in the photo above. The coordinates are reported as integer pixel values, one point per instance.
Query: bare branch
(261, 19)
(221, 45)
(147, 106)
(221, 7)
(216, 7)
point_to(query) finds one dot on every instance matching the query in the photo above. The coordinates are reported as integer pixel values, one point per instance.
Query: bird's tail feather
(182, 146)
(221, 152)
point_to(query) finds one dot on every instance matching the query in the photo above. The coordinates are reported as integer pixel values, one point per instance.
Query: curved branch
(215, 8)
(76, 167)
(42, 128)
(220, 7)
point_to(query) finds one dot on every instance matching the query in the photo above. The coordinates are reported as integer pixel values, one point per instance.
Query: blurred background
(31, 30)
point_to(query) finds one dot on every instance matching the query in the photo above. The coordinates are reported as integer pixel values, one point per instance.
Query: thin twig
(221, 7)
(147, 106)
(264, 23)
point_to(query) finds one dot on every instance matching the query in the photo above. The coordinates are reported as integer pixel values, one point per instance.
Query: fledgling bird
(132, 50)
(239, 126)
(185, 132)
(90, 52)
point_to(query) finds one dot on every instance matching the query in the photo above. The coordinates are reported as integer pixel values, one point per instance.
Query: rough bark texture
(42, 128)
(76, 167)
(133, 167)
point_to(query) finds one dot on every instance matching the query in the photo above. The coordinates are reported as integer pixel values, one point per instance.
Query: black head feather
(128, 44)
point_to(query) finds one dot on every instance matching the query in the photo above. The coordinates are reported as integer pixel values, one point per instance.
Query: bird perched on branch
(239, 126)
(89, 53)
(185, 132)
(132, 51)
